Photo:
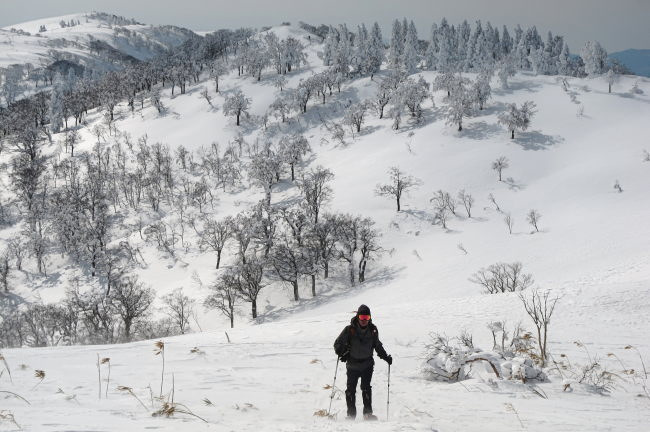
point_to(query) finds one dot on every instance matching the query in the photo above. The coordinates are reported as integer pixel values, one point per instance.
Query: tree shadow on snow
(481, 130)
(535, 140)
(381, 276)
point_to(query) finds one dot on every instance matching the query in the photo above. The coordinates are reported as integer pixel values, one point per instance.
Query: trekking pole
(333, 384)
(388, 395)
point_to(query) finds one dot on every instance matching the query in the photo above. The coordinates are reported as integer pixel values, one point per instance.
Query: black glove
(344, 357)
(389, 359)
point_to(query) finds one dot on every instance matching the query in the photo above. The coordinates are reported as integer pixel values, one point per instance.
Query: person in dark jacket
(355, 346)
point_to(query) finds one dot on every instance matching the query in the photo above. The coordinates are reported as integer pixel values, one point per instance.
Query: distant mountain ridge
(637, 60)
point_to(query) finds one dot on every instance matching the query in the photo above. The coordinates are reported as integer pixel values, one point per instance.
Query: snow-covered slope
(592, 251)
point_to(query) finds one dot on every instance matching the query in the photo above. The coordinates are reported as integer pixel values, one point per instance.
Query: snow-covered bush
(451, 362)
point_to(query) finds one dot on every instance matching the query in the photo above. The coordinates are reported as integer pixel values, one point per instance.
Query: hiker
(354, 346)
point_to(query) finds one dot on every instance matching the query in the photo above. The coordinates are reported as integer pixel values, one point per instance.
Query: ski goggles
(364, 317)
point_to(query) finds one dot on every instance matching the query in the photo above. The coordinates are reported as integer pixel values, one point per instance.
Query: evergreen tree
(410, 56)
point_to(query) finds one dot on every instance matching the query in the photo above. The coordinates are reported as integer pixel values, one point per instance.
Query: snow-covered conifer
(594, 57)
(410, 57)
(396, 45)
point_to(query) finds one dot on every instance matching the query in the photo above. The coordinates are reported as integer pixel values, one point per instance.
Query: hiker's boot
(350, 400)
(366, 395)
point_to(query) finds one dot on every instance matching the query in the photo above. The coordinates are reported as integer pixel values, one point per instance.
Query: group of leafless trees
(77, 206)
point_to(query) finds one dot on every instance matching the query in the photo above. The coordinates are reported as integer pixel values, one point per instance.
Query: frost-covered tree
(412, 93)
(236, 104)
(399, 183)
(354, 116)
(481, 90)
(292, 150)
(375, 50)
(410, 57)
(500, 164)
(396, 45)
(460, 104)
(517, 118)
(612, 77)
(56, 108)
(280, 107)
(594, 57)
(218, 68)
(506, 69)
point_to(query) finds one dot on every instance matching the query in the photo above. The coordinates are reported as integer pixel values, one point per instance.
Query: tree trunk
(326, 269)
(254, 308)
(218, 258)
(296, 296)
(398, 206)
(512, 134)
(237, 119)
(293, 178)
(460, 126)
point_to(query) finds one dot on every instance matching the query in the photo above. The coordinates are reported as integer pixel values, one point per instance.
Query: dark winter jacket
(357, 343)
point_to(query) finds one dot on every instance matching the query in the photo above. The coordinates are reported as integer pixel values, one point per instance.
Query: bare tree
(467, 200)
(205, 94)
(289, 263)
(533, 218)
(500, 164)
(214, 235)
(493, 200)
(132, 301)
(539, 308)
(315, 190)
(179, 308)
(502, 277)
(225, 295)
(509, 222)
(250, 282)
(368, 245)
(4, 271)
(399, 183)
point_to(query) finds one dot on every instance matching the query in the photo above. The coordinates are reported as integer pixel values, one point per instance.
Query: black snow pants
(366, 390)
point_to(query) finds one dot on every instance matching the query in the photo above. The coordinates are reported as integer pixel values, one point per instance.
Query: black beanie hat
(363, 310)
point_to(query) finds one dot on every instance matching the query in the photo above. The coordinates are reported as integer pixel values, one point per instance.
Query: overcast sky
(617, 24)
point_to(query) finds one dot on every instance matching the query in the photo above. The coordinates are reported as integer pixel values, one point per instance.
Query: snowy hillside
(94, 40)
(590, 250)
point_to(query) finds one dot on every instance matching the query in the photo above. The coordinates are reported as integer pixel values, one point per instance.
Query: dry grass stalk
(323, 413)
(197, 350)
(40, 375)
(207, 402)
(9, 416)
(511, 408)
(4, 361)
(129, 390)
(160, 350)
(168, 409)
(99, 378)
(16, 395)
(107, 360)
